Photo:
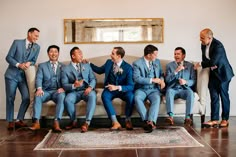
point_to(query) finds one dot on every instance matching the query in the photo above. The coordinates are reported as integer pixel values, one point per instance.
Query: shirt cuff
(17, 65)
(120, 88)
(151, 81)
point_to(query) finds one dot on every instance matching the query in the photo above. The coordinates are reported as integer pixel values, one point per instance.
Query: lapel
(49, 66)
(108, 69)
(73, 70)
(23, 43)
(211, 47)
(145, 65)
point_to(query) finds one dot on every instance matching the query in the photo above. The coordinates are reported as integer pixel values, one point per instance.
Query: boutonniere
(155, 66)
(120, 71)
(83, 68)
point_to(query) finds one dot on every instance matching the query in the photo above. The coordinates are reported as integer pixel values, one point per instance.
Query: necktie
(78, 67)
(54, 68)
(150, 65)
(115, 68)
(29, 47)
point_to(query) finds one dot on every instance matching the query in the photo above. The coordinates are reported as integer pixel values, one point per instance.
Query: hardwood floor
(217, 142)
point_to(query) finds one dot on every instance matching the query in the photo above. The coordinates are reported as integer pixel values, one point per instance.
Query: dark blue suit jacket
(218, 57)
(124, 79)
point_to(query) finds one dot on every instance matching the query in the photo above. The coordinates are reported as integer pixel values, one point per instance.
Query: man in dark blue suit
(48, 87)
(221, 73)
(118, 84)
(21, 55)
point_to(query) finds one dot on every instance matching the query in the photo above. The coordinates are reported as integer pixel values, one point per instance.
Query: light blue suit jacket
(45, 75)
(125, 79)
(141, 71)
(188, 74)
(70, 75)
(16, 55)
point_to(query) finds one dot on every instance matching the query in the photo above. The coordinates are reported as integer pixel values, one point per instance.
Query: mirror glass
(119, 30)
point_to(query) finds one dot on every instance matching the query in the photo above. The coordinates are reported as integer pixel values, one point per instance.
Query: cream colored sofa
(200, 102)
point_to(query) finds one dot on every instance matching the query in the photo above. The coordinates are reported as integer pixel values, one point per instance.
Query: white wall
(183, 19)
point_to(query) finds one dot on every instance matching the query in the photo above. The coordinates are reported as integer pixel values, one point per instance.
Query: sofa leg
(202, 119)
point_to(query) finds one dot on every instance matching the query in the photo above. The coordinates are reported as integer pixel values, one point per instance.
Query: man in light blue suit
(48, 87)
(21, 55)
(180, 79)
(118, 84)
(79, 82)
(149, 81)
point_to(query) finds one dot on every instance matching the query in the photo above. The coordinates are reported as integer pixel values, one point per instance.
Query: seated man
(79, 81)
(118, 84)
(49, 88)
(149, 81)
(180, 77)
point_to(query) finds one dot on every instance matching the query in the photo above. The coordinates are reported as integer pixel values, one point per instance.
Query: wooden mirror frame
(113, 30)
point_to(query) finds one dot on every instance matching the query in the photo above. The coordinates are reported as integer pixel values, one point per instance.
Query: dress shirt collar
(119, 63)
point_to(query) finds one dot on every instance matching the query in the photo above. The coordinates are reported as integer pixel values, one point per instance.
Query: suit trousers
(11, 85)
(58, 98)
(108, 96)
(153, 95)
(219, 89)
(73, 97)
(183, 93)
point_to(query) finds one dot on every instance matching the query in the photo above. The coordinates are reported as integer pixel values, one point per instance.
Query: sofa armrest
(202, 88)
(30, 75)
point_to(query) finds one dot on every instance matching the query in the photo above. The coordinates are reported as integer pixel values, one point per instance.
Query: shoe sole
(210, 126)
(169, 122)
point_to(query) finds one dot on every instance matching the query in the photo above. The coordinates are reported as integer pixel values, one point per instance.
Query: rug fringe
(40, 145)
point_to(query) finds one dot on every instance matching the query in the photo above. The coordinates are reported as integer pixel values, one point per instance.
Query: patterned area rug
(164, 137)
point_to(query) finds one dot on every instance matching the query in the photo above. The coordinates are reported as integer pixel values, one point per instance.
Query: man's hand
(60, 90)
(85, 61)
(179, 68)
(24, 66)
(182, 81)
(39, 92)
(87, 90)
(112, 87)
(156, 80)
(162, 84)
(197, 65)
(78, 83)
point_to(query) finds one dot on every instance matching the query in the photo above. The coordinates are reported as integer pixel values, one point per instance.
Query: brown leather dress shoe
(211, 123)
(169, 120)
(149, 126)
(116, 126)
(84, 127)
(35, 126)
(224, 123)
(56, 127)
(188, 122)
(10, 126)
(20, 124)
(71, 126)
(128, 125)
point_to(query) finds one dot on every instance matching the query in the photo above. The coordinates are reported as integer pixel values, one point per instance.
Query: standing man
(118, 84)
(180, 78)
(149, 80)
(79, 82)
(21, 55)
(221, 73)
(48, 87)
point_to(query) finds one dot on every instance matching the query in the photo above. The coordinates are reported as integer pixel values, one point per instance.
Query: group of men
(143, 80)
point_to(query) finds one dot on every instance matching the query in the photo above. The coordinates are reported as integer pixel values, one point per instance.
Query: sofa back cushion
(99, 61)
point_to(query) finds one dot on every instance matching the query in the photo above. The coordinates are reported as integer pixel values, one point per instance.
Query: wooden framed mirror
(113, 30)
